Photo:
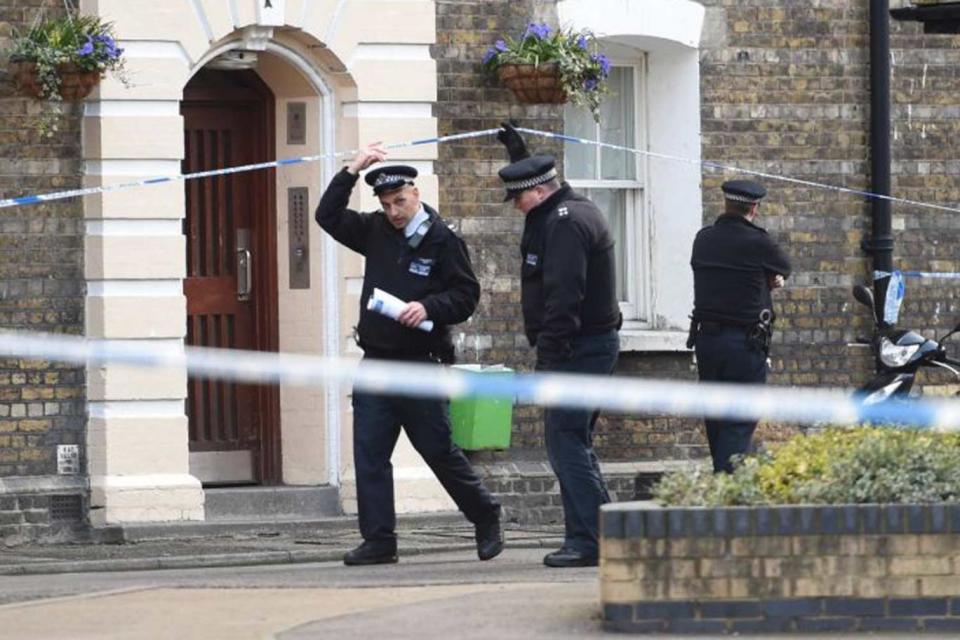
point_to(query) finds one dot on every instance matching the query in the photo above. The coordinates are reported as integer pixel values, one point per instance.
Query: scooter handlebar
(949, 360)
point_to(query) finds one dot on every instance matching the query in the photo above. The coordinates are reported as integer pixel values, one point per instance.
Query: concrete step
(271, 504)
(330, 526)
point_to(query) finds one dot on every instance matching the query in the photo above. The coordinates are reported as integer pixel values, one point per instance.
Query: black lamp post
(880, 244)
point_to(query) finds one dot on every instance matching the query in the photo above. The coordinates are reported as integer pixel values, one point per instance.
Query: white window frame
(668, 33)
(636, 308)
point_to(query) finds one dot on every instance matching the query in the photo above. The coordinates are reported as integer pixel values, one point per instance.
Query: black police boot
(566, 557)
(372, 552)
(489, 537)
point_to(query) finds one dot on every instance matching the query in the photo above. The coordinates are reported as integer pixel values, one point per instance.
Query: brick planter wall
(780, 569)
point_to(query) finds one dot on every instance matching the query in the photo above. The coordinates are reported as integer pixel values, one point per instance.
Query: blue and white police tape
(274, 164)
(621, 394)
(752, 172)
(932, 275)
(59, 195)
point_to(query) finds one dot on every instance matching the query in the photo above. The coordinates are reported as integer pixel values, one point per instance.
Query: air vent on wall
(66, 508)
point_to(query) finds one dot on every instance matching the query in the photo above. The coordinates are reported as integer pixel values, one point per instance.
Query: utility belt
(439, 353)
(757, 333)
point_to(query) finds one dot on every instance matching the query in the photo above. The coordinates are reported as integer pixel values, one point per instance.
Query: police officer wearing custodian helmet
(735, 267)
(412, 254)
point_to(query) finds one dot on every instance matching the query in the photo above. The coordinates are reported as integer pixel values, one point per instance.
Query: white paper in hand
(389, 305)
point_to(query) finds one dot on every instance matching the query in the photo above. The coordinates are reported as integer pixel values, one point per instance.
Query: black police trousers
(377, 420)
(569, 439)
(726, 354)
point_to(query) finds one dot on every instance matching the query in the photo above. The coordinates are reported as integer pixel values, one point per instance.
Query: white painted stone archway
(371, 80)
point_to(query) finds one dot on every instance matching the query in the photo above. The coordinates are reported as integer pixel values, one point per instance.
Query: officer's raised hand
(367, 157)
(510, 138)
(412, 315)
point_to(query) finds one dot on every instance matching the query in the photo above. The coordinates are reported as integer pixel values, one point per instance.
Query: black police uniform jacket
(437, 274)
(731, 262)
(568, 275)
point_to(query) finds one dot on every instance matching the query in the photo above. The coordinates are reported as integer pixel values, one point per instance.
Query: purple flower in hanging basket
(87, 48)
(109, 46)
(498, 47)
(582, 42)
(539, 31)
(604, 63)
(591, 84)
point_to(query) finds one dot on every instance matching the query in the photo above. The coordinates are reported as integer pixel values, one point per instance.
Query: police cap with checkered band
(527, 173)
(384, 179)
(746, 191)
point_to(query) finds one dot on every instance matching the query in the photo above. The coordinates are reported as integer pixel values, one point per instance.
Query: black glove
(513, 141)
(551, 354)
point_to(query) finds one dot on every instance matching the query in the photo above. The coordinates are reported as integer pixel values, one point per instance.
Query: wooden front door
(231, 274)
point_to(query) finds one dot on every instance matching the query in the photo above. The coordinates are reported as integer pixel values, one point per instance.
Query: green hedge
(836, 466)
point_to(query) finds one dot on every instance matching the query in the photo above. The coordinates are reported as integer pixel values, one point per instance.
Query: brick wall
(41, 273)
(784, 90)
(530, 494)
(778, 569)
(470, 191)
(471, 194)
(29, 515)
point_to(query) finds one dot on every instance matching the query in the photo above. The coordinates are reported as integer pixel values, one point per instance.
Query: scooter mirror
(953, 331)
(863, 295)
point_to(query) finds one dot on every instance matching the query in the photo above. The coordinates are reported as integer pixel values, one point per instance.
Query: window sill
(637, 339)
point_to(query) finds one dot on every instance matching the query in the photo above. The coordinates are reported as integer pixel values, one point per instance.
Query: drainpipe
(880, 244)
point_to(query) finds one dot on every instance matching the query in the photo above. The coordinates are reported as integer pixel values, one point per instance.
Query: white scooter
(899, 354)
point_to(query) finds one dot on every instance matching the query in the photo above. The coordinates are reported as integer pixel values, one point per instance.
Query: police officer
(735, 267)
(571, 316)
(412, 254)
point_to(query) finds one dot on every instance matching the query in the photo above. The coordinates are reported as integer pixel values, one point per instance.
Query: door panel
(228, 285)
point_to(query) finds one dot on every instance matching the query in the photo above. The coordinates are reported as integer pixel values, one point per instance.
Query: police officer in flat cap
(412, 254)
(571, 316)
(735, 267)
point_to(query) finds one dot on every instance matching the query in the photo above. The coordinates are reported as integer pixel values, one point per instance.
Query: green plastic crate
(482, 422)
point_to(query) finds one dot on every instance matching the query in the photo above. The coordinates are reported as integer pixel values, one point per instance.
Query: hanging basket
(75, 83)
(533, 84)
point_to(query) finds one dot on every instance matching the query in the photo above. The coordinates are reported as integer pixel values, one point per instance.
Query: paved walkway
(429, 595)
(288, 583)
(278, 546)
(424, 596)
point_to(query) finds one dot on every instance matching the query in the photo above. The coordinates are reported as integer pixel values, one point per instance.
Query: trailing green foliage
(836, 466)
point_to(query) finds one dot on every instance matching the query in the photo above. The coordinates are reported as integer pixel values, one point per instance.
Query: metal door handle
(244, 274)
